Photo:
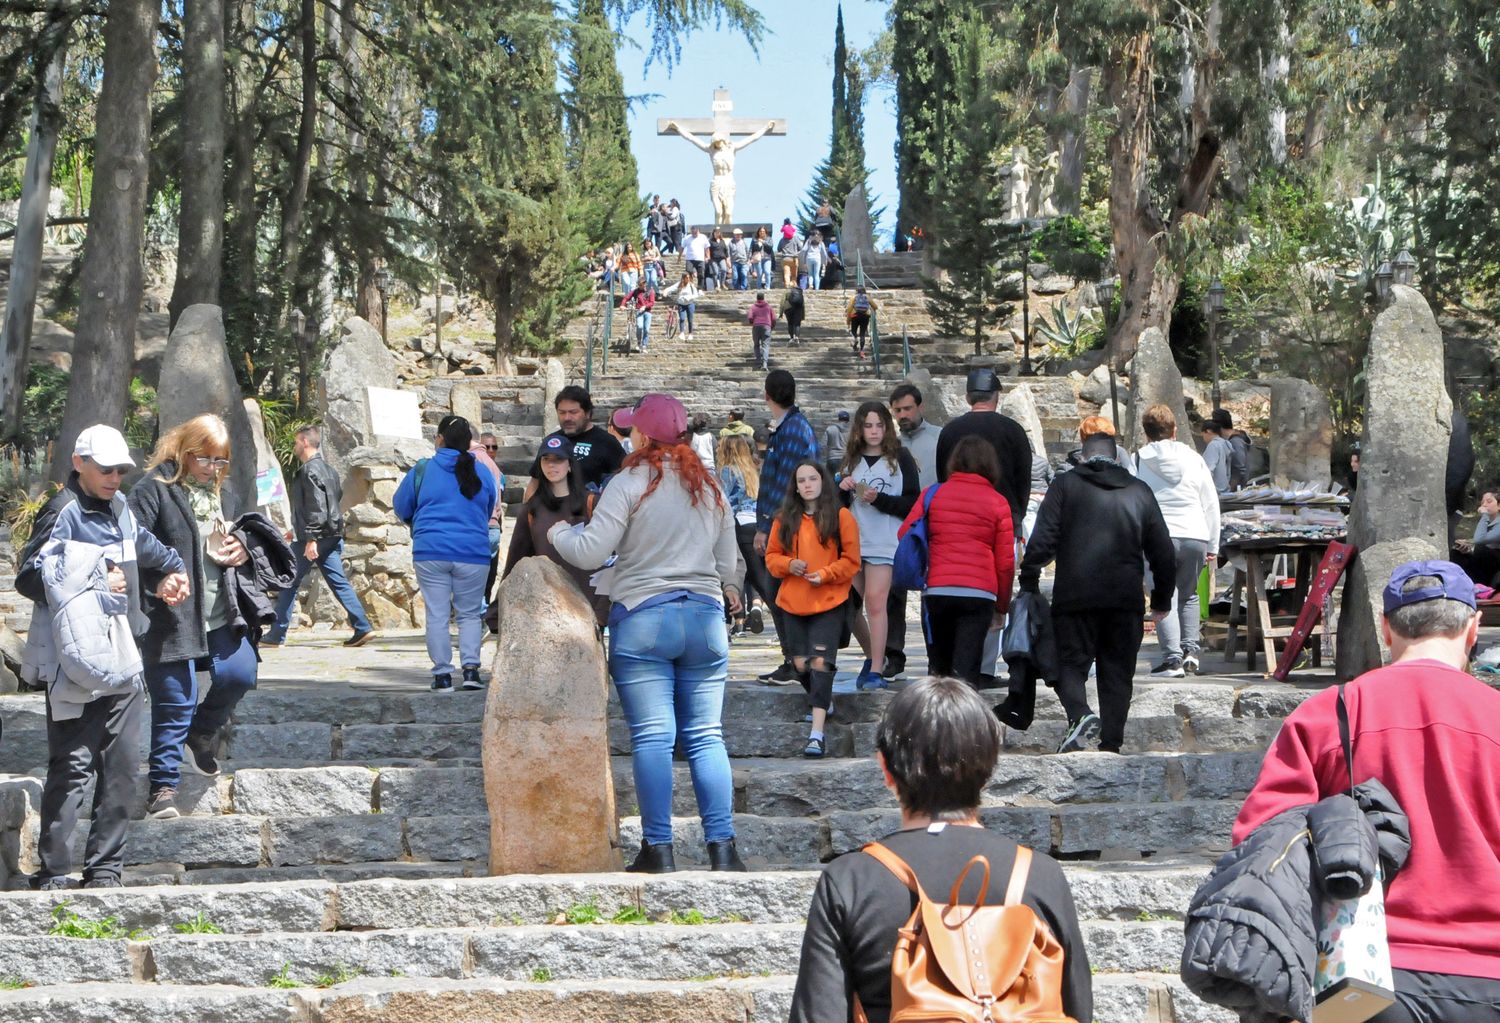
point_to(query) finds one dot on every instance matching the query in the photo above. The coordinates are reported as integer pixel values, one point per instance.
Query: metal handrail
(905, 351)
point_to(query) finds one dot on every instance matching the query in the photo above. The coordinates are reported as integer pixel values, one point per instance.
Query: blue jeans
(628, 280)
(685, 317)
(741, 276)
(651, 275)
(814, 274)
(175, 709)
(453, 586)
(763, 272)
(669, 664)
(643, 327)
(331, 563)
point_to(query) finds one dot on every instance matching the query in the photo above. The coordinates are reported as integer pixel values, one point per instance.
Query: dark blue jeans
(175, 710)
(331, 564)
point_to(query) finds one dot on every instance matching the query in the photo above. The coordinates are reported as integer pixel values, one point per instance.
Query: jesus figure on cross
(721, 146)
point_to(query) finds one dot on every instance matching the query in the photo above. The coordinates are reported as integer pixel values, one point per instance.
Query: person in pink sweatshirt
(762, 318)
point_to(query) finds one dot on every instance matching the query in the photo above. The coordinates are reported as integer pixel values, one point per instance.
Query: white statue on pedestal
(1046, 186)
(1018, 187)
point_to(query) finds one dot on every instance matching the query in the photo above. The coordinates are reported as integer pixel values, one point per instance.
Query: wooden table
(1261, 628)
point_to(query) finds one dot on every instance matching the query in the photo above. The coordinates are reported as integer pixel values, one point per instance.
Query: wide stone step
(1121, 998)
(672, 948)
(1120, 892)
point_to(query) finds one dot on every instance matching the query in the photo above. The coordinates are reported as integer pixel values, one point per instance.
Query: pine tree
(600, 163)
(845, 168)
(967, 206)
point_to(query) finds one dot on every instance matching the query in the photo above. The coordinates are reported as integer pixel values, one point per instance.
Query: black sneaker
(1170, 667)
(471, 679)
(442, 683)
(198, 754)
(104, 881)
(1081, 735)
(55, 884)
(893, 669)
(755, 621)
(360, 638)
(785, 675)
(163, 803)
(814, 748)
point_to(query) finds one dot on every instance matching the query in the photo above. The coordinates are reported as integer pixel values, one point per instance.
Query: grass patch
(630, 915)
(1145, 916)
(199, 924)
(704, 978)
(584, 913)
(541, 975)
(283, 978)
(68, 924)
(340, 974)
(14, 984)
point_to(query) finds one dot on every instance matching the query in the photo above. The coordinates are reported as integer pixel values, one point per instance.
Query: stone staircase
(334, 870)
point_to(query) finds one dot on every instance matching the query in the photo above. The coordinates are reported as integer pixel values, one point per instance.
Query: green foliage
(541, 975)
(282, 423)
(1072, 333)
(929, 111)
(967, 206)
(341, 974)
(43, 404)
(199, 924)
(67, 924)
(283, 978)
(1482, 406)
(845, 168)
(582, 913)
(23, 510)
(600, 163)
(14, 984)
(630, 915)
(140, 415)
(1073, 246)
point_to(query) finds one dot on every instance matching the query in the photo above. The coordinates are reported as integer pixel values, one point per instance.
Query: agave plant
(1063, 330)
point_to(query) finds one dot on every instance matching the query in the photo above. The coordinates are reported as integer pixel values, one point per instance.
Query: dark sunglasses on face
(112, 470)
(492, 447)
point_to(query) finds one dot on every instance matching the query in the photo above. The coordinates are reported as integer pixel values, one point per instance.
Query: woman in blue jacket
(447, 499)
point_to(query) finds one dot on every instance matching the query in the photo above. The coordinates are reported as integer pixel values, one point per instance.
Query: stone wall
(377, 548)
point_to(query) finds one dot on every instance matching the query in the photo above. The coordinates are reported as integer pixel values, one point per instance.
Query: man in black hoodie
(1098, 521)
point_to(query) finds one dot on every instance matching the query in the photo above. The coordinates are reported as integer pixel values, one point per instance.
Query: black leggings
(955, 631)
(760, 579)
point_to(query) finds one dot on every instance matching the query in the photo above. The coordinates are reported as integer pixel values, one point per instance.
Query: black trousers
(1442, 998)
(103, 743)
(759, 577)
(895, 632)
(1111, 640)
(955, 628)
(1482, 564)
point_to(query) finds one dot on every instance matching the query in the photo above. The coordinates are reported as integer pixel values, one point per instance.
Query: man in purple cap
(1427, 730)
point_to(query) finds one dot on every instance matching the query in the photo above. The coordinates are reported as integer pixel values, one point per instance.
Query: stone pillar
(1020, 405)
(270, 484)
(197, 377)
(357, 362)
(1154, 379)
(377, 549)
(464, 400)
(1301, 433)
(546, 735)
(554, 379)
(1399, 511)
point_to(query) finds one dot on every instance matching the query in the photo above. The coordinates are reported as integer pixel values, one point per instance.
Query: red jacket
(1429, 733)
(969, 537)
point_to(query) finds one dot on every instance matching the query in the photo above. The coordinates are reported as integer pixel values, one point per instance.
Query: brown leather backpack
(973, 964)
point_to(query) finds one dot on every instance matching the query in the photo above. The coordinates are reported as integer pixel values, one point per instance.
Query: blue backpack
(909, 569)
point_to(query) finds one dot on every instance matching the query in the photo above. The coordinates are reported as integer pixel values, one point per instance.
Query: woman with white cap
(672, 532)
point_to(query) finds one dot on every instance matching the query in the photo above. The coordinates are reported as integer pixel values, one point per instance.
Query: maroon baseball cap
(659, 416)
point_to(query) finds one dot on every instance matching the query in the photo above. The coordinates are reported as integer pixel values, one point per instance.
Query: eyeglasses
(217, 463)
(112, 470)
(492, 447)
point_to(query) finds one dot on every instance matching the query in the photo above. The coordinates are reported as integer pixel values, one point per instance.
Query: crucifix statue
(721, 146)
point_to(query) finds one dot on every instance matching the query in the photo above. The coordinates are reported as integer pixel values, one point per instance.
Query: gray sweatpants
(104, 744)
(1178, 633)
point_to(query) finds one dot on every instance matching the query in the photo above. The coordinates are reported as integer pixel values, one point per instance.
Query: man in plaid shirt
(792, 442)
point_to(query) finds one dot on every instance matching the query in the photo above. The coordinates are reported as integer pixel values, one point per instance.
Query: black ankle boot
(724, 856)
(654, 859)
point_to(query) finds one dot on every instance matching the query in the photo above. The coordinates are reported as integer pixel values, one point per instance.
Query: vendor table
(1253, 614)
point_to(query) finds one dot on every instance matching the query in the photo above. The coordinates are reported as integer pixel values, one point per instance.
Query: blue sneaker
(869, 680)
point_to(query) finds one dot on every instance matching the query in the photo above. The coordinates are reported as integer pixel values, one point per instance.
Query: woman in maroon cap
(672, 533)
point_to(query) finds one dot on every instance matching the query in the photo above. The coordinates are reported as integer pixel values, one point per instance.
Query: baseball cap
(555, 445)
(983, 380)
(738, 231)
(659, 416)
(103, 445)
(843, 415)
(1452, 584)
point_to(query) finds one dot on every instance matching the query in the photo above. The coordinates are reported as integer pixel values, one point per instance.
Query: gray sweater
(663, 543)
(1487, 531)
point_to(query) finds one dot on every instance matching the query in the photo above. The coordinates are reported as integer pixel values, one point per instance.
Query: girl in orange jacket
(814, 550)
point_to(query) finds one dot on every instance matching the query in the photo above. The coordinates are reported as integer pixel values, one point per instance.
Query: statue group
(1027, 198)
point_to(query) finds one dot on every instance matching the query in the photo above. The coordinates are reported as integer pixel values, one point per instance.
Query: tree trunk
(200, 228)
(26, 251)
(1278, 65)
(294, 206)
(111, 281)
(505, 322)
(244, 221)
(1071, 143)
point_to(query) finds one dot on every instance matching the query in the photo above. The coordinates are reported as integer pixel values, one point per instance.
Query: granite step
(1120, 998)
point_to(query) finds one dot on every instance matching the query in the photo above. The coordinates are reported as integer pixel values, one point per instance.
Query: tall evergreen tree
(922, 62)
(845, 168)
(599, 159)
(970, 204)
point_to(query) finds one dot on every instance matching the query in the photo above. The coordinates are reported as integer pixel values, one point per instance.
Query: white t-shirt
(697, 246)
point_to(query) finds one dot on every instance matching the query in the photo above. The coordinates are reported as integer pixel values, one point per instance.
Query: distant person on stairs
(702, 441)
(790, 251)
(447, 500)
(861, 306)
(792, 443)
(762, 319)
(794, 309)
(318, 539)
(761, 255)
(737, 427)
(685, 294)
(697, 257)
(835, 441)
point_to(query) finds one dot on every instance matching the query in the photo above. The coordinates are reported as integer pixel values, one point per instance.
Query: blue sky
(790, 79)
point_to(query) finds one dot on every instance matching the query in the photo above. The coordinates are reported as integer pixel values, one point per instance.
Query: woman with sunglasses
(180, 503)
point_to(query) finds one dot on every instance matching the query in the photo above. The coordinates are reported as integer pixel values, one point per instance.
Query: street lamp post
(1404, 268)
(1104, 292)
(1383, 278)
(1026, 367)
(383, 282)
(1215, 305)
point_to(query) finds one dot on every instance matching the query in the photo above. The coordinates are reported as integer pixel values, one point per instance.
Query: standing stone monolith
(1020, 404)
(546, 732)
(856, 230)
(554, 379)
(197, 376)
(465, 401)
(1400, 506)
(272, 494)
(1301, 433)
(357, 362)
(1154, 379)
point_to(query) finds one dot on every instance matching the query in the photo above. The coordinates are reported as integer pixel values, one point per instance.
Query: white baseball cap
(103, 445)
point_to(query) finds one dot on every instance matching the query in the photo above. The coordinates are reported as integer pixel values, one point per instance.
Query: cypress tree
(600, 163)
(844, 169)
(926, 129)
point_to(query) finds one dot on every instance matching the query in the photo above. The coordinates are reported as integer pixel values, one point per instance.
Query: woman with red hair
(672, 533)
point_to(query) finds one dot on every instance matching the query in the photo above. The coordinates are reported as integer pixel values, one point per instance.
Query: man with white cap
(87, 540)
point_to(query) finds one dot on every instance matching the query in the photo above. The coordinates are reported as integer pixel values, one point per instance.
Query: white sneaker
(1169, 668)
(1190, 665)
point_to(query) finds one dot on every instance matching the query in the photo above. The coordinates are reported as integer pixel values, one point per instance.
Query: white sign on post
(394, 413)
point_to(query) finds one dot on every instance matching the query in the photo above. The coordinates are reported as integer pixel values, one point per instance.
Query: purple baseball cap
(1453, 584)
(659, 416)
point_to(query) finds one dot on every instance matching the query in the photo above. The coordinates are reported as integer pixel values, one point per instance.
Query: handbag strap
(1344, 738)
(896, 865)
(1018, 874)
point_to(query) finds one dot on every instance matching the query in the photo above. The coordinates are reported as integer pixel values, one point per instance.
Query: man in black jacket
(318, 529)
(1098, 521)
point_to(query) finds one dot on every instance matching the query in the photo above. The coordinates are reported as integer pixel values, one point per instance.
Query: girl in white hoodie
(1189, 501)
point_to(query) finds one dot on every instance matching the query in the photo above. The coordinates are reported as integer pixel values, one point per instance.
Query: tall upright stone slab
(1154, 379)
(1301, 433)
(546, 736)
(464, 400)
(272, 495)
(856, 230)
(554, 379)
(1399, 507)
(197, 376)
(358, 362)
(1020, 404)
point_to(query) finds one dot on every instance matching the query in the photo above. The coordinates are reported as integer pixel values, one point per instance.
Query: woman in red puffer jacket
(971, 561)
